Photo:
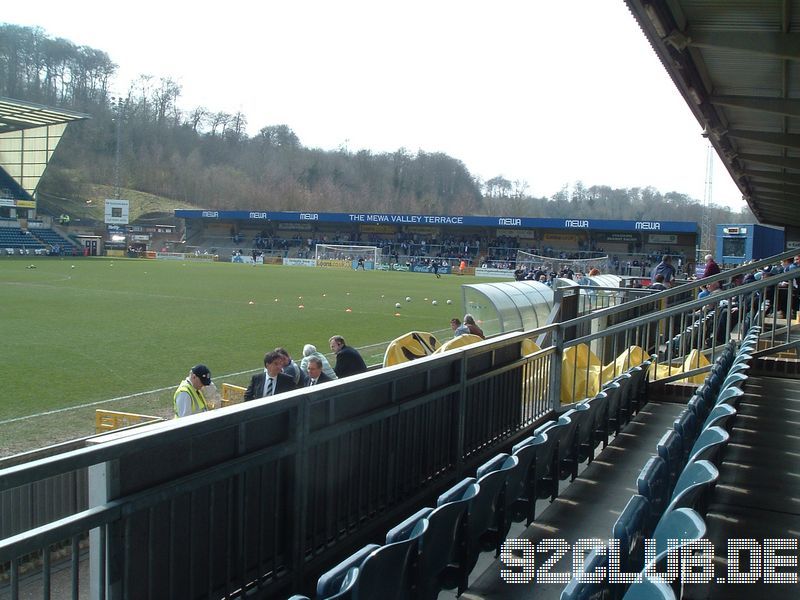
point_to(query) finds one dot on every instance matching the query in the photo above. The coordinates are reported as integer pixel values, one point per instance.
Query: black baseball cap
(202, 373)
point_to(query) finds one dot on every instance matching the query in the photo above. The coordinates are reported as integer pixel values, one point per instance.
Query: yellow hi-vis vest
(198, 402)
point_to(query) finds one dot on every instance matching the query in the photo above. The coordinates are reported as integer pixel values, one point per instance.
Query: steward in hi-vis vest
(188, 399)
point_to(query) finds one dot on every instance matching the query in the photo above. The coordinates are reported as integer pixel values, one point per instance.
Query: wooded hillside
(205, 157)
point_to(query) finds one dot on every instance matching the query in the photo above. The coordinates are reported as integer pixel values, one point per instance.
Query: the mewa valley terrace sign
(458, 220)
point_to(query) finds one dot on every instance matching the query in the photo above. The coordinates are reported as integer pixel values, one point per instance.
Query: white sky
(546, 92)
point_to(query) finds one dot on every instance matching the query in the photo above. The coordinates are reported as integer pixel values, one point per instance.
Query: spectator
(309, 352)
(315, 373)
(666, 269)
(348, 360)
(271, 381)
(658, 284)
(291, 368)
(457, 327)
(188, 398)
(712, 268)
(469, 321)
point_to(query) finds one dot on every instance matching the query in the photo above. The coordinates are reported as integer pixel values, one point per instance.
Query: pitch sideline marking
(136, 395)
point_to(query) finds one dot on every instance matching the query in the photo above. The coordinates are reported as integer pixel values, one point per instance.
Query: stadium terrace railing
(683, 334)
(266, 495)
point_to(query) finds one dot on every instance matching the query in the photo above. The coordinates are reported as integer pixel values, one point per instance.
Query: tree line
(205, 157)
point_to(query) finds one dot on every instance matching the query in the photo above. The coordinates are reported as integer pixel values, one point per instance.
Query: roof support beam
(781, 190)
(780, 106)
(775, 45)
(783, 140)
(771, 175)
(776, 161)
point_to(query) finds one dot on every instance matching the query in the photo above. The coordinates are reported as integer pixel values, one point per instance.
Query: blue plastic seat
(721, 416)
(598, 424)
(684, 524)
(626, 398)
(670, 448)
(378, 571)
(650, 589)
(538, 452)
(496, 473)
(653, 484)
(480, 527)
(582, 420)
(704, 392)
(613, 390)
(736, 379)
(697, 405)
(579, 590)
(739, 367)
(564, 431)
(686, 425)
(731, 395)
(631, 529)
(709, 444)
(694, 486)
(443, 544)
(387, 571)
(340, 582)
(638, 386)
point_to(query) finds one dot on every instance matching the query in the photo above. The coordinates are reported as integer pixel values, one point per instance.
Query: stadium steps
(758, 492)
(587, 507)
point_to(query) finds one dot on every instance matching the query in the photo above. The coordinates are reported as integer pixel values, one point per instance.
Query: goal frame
(535, 260)
(348, 252)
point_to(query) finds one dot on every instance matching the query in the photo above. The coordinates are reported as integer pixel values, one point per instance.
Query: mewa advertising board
(510, 223)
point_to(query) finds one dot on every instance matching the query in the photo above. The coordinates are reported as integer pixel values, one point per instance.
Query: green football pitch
(87, 331)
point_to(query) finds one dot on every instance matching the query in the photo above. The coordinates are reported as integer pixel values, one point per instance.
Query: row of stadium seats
(13, 237)
(437, 547)
(673, 486)
(52, 238)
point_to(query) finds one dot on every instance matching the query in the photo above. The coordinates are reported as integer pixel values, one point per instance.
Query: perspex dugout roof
(508, 305)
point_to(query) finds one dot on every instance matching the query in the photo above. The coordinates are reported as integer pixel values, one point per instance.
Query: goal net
(580, 261)
(337, 255)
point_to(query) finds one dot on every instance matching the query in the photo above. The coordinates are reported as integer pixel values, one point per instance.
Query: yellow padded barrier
(458, 342)
(109, 420)
(232, 394)
(694, 360)
(582, 373)
(412, 345)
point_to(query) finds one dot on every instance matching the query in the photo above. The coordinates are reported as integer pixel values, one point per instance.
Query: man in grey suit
(271, 381)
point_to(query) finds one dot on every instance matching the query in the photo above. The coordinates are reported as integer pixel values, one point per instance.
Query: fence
(267, 494)
(264, 494)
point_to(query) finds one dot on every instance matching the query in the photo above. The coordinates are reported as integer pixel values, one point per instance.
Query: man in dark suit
(348, 360)
(271, 381)
(315, 373)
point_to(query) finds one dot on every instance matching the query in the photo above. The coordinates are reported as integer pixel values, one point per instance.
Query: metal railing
(266, 495)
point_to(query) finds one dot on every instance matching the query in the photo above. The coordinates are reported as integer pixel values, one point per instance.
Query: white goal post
(584, 263)
(337, 254)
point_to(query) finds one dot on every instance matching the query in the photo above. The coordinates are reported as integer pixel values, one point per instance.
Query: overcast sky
(546, 92)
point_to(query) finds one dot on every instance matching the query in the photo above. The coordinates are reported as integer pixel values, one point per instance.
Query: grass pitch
(78, 331)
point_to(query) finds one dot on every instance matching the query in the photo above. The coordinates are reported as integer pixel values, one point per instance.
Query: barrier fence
(267, 494)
